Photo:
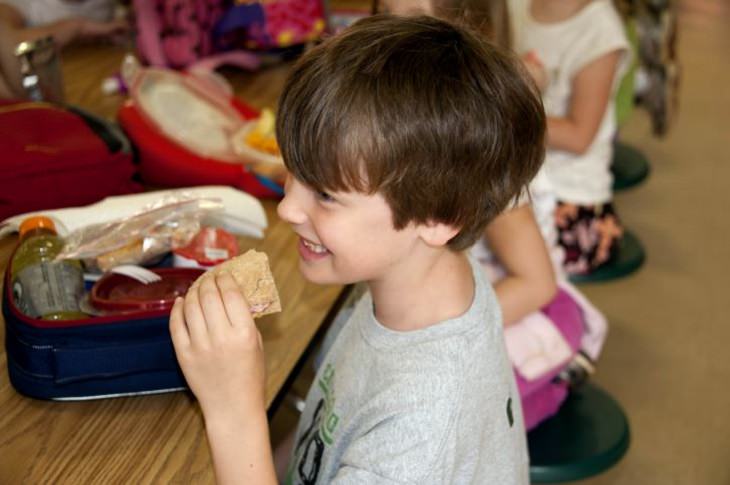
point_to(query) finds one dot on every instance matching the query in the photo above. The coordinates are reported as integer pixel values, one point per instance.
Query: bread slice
(251, 272)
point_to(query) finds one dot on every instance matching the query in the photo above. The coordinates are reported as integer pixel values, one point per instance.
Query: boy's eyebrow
(331, 192)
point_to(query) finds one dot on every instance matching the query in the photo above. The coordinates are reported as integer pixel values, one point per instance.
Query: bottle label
(48, 287)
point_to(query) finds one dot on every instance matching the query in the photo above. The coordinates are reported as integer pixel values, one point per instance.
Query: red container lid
(115, 292)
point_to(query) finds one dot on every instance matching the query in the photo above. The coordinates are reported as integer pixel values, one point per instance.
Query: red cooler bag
(56, 157)
(184, 126)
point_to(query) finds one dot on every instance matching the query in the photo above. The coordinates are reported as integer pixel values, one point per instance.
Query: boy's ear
(437, 233)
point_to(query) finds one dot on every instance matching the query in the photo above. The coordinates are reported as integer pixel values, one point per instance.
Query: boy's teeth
(315, 248)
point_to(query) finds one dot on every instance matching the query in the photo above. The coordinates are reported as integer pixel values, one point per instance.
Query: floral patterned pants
(589, 235)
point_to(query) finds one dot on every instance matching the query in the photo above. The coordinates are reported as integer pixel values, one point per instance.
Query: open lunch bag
(123, 345)
(187, 125)
(59, 157)
(189, 130)
(97, 357)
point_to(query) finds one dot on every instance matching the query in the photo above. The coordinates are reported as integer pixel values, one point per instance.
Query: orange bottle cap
(36, 222)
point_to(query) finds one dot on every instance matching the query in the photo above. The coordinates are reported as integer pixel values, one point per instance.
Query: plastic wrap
(141, 238)
(242, 214)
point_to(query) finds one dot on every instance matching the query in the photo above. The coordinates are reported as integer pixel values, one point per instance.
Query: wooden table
(161, 438)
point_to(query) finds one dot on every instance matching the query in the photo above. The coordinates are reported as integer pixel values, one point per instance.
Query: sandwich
(253, 276)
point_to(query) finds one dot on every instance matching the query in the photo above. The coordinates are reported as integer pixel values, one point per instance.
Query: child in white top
(582, 49)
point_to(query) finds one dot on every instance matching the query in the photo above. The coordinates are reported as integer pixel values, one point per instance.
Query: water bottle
(44, 288)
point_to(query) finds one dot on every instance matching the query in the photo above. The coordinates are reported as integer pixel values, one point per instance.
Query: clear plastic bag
(141, 238)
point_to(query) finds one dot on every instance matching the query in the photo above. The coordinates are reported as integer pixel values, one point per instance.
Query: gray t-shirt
(436, 405)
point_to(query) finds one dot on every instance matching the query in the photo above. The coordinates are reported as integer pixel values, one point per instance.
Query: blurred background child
(64, 20)
(579, 52)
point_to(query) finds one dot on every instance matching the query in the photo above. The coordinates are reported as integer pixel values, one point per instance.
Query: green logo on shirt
(310, 446)
(329, 423)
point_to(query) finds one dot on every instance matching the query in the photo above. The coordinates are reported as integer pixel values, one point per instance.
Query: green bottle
(44, 288)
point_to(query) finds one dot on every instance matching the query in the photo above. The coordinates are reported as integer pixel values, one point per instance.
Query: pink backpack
(177, 33)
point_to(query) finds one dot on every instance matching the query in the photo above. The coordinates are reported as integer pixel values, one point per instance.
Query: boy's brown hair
(446, 127)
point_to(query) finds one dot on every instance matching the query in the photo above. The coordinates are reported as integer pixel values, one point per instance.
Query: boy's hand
(219, 349)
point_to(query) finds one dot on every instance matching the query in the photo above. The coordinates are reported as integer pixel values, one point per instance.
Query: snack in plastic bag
(143, 237)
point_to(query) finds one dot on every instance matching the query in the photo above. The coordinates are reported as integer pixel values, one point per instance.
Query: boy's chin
(320, 277)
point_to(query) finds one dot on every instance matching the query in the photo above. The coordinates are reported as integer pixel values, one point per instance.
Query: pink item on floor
(541, 397)
(535, 346)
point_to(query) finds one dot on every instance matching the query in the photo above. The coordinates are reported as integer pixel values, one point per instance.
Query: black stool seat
(629, 258)
(587, 436)
(629, 166)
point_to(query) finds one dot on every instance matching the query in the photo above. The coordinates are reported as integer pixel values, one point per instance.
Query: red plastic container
(119, 293)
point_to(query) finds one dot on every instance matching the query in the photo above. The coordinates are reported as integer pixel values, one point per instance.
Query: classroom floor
(666, 357)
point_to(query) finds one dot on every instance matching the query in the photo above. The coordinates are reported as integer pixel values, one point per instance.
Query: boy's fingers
(235, 303)
(211, 304)
(178, 328)
(194, 318)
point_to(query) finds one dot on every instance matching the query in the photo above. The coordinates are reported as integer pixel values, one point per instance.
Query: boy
(404, 138)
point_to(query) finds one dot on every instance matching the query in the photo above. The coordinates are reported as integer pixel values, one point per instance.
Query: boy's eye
(324, 196)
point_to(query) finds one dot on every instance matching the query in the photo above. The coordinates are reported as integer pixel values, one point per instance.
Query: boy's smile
(310, 251)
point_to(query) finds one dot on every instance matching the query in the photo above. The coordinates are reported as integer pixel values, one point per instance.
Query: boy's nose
(292, 208)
